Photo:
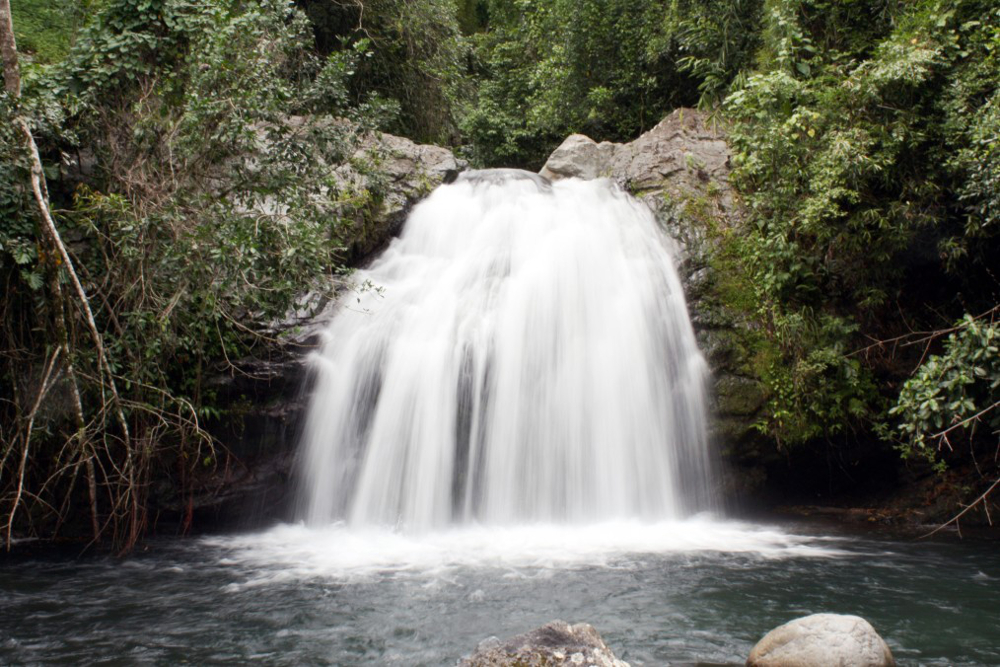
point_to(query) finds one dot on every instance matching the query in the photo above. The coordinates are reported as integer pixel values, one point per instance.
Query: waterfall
(523, 354)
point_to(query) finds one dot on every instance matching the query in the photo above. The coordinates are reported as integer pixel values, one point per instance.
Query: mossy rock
(738, 396)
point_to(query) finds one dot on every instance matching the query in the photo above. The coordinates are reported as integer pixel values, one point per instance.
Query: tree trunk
(8, 51)
(50, 238)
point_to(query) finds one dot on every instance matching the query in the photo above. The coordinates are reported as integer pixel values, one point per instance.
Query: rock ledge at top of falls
(684, 156)
(822, 640)
(553, 645)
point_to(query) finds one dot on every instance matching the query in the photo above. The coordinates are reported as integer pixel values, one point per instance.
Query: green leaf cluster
(415, 55)
(191, 151)
(952, 394)
(865, 147)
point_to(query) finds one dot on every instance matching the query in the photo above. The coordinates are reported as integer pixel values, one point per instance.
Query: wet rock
(552, 645)
(738, 396)
(822, 640)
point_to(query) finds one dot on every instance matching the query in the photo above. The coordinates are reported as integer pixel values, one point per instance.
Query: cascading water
(527, 357)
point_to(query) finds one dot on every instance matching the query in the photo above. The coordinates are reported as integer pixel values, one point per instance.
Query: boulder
(822, 640)
(580, 156)
(685, 157)
(552, 645)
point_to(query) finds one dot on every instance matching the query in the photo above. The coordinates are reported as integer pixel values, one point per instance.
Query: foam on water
(296, 552)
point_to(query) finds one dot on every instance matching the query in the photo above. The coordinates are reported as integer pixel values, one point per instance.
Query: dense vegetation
(188, 138)
(181, 142)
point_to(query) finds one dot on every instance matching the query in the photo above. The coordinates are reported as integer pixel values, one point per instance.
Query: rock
(738, 396)
(580, 157)
(822, 640)
(683, 156)
(409, 172)
(552, 645)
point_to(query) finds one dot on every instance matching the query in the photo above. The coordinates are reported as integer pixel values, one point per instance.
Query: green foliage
(951, 394)
(222, 203)
(46, 29)
(415, 56)
(815, 389)
(205, 204)
(607, 68)
(864, 146)
(554, 67)
(714, 41)
(18, 251)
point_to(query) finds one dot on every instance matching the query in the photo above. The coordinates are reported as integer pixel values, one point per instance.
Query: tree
(59, 255)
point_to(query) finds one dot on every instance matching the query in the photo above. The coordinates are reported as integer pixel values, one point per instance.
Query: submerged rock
(552, 645)
(821, 640)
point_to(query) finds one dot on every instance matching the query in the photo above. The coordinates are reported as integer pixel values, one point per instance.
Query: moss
(729, 304)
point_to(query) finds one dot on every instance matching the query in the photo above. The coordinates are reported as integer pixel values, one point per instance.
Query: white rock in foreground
(555, 644)
(822, 640)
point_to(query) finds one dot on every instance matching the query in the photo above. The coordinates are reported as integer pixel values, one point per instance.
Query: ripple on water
(699, 591)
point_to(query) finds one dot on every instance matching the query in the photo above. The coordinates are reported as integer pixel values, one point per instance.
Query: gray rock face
(553, 645)
(409, 171)
(822, 640)
(684, 157)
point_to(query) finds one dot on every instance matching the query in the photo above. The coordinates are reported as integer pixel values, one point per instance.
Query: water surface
(670, 593)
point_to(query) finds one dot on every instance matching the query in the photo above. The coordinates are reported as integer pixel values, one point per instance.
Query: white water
(529, 359)
(290, 553)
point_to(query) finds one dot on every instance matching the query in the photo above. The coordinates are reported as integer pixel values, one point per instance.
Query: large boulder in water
(822, 640)
(552, 645)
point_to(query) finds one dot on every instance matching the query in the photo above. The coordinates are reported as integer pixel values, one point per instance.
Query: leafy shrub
(205, 207)
(951, 394)
(862, 148)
